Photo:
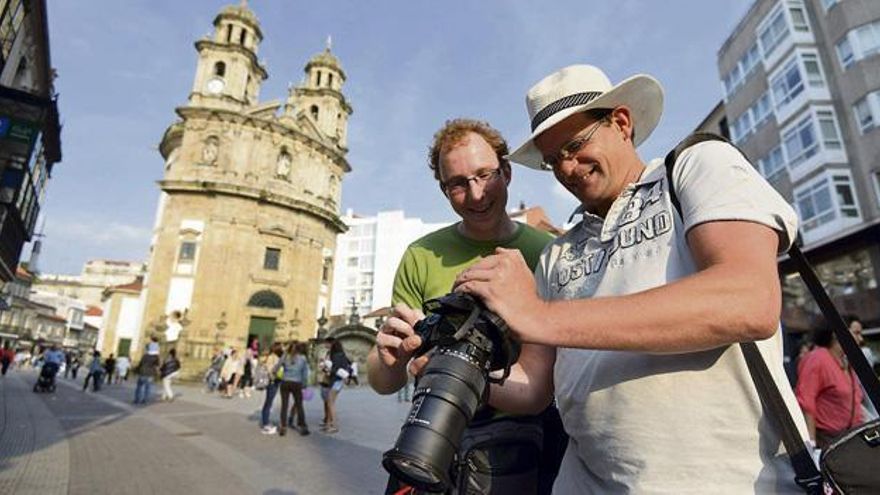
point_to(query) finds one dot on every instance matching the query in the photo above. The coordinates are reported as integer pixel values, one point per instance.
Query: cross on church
(354, 318)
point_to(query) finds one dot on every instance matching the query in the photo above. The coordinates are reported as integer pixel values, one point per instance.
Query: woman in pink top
(828, 390)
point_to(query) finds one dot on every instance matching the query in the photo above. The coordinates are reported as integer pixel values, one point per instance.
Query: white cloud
(99, 232)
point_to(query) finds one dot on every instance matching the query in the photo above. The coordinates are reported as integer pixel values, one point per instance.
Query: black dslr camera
(470, 342)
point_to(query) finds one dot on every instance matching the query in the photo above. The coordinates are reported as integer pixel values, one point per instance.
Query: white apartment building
(802, 100)
(366, 258)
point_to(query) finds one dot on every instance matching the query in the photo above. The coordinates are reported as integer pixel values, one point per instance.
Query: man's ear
(622, 117)
(506, 172)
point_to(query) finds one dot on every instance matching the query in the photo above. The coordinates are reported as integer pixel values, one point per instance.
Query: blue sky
(124, 65)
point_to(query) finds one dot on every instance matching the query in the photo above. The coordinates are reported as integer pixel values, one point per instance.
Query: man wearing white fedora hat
(468, 160)
(635, 311)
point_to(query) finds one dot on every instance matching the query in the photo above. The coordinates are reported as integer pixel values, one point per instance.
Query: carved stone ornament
(282, 168)
(210, 151)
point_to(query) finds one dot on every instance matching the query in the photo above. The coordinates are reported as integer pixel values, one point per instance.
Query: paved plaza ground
(74, 442)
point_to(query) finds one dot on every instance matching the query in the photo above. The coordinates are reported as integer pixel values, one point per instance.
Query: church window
(220, 69)
(314, 110)
(229, 33)
(266, 299)
(326, 270)
(187, 252)
(333, 183)
(330, 80)
(271, 258)
(318, 82)
(242, 37)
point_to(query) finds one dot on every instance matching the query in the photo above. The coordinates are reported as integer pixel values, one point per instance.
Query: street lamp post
(294, 324)
(221, 328)
(316, 341)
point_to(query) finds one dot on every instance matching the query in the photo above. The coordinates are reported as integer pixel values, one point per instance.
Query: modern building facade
(23, 322)
(248, 211)
(801, 82)
(72, 311)
(367, 256)
(30, 142)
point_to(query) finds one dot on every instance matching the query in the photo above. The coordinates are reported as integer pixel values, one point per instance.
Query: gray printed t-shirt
(671, 423)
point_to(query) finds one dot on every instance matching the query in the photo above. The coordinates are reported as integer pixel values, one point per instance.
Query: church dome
(241, 11)
(325, 59)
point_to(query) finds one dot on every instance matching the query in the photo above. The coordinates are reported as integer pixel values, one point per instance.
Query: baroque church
(248, 211)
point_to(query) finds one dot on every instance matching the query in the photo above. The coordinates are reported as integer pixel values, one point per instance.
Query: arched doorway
(262, 328)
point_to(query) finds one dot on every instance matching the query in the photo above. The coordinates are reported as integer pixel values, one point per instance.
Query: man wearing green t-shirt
(468, 161)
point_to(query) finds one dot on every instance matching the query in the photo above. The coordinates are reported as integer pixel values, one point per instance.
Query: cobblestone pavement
(74, 442)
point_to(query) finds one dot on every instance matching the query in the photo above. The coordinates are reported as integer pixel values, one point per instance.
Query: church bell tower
(229, 74)
(319, 97)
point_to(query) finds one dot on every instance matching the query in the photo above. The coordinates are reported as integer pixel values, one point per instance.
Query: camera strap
(468, 323)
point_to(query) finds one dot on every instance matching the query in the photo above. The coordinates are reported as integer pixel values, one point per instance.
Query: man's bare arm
(529, 388)
(734, 296)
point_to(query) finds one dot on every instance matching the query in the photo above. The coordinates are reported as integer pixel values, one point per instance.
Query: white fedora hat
(578, 88)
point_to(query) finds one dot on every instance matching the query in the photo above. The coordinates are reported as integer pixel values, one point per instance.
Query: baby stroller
(46, 380)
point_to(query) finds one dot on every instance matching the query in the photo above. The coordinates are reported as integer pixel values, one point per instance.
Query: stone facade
(249, 206)
(96, 276)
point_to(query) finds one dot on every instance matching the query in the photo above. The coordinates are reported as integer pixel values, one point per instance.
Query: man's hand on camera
(506, 286)
(396, 340)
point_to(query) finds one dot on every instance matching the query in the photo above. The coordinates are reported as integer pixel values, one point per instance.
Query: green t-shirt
(430, 264)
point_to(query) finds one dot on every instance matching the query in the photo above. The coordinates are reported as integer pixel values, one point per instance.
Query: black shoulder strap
(672, 157)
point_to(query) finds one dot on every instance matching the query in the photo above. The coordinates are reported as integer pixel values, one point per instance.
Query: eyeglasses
(459, 185)
(571, 148)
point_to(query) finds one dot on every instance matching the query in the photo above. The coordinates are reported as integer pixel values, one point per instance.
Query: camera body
(456, 318)
(468, 343)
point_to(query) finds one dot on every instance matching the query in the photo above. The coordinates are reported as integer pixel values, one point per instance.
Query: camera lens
(449, 393)
(411, 469)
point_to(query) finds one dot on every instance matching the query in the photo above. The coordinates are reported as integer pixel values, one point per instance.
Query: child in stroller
(46, 380)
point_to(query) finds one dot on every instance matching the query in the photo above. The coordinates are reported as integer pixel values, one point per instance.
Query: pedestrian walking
(295, 376)
(7, 357)
(109, 368)
(147, 369)
(68, 363)
(353, 378)
(230, 373)
(22, 359)
(246, 383)
(122, 366)
(268, 363)
(75, 363)
(95, 374)
(339, 367)
(170, 370)
(828, 390)
(212, 374)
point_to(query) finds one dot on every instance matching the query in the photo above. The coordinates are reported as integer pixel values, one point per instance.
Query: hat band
(563, 103)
